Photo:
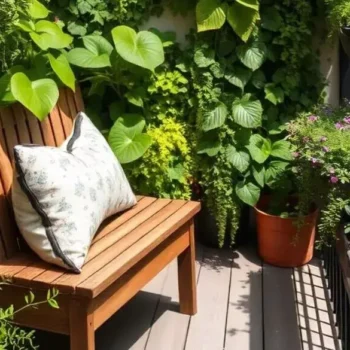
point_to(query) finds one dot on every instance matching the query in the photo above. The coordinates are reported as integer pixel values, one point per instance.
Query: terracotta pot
(279, 240)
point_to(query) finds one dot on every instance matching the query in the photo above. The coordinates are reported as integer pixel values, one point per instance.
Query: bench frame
(79, 315)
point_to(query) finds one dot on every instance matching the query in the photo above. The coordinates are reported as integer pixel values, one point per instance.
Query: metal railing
(336, 273)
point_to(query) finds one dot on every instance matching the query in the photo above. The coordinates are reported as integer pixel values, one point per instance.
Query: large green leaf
(253, 4)
(37, 10)
(84, 58)
(242, 19)
(258, 79)
(239, 159)
(210, 15)
(209, 144)
(61, 67)
(204, 57)
(252, 55)
(97, 44)
(247, 112)
(282, 149)
(215, 118)
(143, 49)
(27, 26)
(258, 171)
(39, 96)
(259, 148)
(271, 19)
(274, 169)
(274, 94)
(239, 76)
(127, 140)
(248, 193)
(49, 35)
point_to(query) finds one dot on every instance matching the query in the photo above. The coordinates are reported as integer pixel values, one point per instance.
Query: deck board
(280, 316)
(242, 304)
(169, 331)
(244, 328)
(207, 327)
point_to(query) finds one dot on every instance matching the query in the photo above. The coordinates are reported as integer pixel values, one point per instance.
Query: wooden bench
(126, 253)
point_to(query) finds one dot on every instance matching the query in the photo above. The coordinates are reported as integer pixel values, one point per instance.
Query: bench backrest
(19, 126)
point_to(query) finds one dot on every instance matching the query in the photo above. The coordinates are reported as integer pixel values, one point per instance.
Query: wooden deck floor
(243, 305)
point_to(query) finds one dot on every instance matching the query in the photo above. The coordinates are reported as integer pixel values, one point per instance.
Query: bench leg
(82, 333)
(187, 277)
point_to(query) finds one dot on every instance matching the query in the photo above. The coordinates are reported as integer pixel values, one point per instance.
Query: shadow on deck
(243, 305)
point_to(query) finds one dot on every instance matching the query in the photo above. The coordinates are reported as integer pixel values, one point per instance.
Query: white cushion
(61, 195)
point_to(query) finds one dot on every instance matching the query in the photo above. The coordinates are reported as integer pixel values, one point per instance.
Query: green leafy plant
(32, 77)
(13, 337)
(338, 15)
(321, 166)
(109, 67)
(84, 17)
(242, 15)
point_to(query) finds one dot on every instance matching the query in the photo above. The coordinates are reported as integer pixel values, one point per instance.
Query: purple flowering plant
(321, 140)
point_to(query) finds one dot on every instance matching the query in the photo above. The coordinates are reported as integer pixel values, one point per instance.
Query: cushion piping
(36, 204)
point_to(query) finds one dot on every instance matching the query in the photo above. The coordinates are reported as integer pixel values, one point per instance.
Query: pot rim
(312, 214)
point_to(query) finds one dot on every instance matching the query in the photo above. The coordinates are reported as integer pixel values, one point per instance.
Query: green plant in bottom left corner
(12, 337)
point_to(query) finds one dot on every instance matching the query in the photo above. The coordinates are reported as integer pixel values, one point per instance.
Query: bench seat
(121, 242)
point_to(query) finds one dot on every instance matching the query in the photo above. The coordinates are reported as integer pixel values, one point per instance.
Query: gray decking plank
(244, 329)
(281, 330)
(129, 328)
(207, 328)
(316, 320)
(170, 327)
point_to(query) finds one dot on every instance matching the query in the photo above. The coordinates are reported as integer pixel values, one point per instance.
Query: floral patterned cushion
(61, 195)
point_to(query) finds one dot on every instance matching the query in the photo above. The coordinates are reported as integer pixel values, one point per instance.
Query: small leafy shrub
(85, 17)
(165, 168)
(13, 337)
(321, 142)
(338, 15)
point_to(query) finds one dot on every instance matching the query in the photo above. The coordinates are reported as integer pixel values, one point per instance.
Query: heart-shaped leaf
(97, 44)
(247, 112)
(37, 10)
(275, 169)
(209, 144)
(258, 171)
(61, 67)
(259, 148)
(49, 35)
(39, 96)
(282, 149)
(27, 26)
(242, 19)
(127, 140)
(143, 49)
(271, 19)
(258, 79)
(215, 118)
(253, 4)
(248, 192)
(274, 94)
(210, 15)
(239, 77)
(86, 59)
(252, 55)
(239, 159)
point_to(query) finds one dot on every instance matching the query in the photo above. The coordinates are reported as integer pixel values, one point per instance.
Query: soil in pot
(280, 241)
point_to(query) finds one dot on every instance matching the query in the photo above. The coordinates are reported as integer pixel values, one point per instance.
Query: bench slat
(21, 121)
(97, 283)
(67, 121)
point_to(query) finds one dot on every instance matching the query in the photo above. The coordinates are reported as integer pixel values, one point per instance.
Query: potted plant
(285, 237)
(321, 144)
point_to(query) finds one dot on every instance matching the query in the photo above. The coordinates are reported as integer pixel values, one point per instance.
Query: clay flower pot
(280, 242)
